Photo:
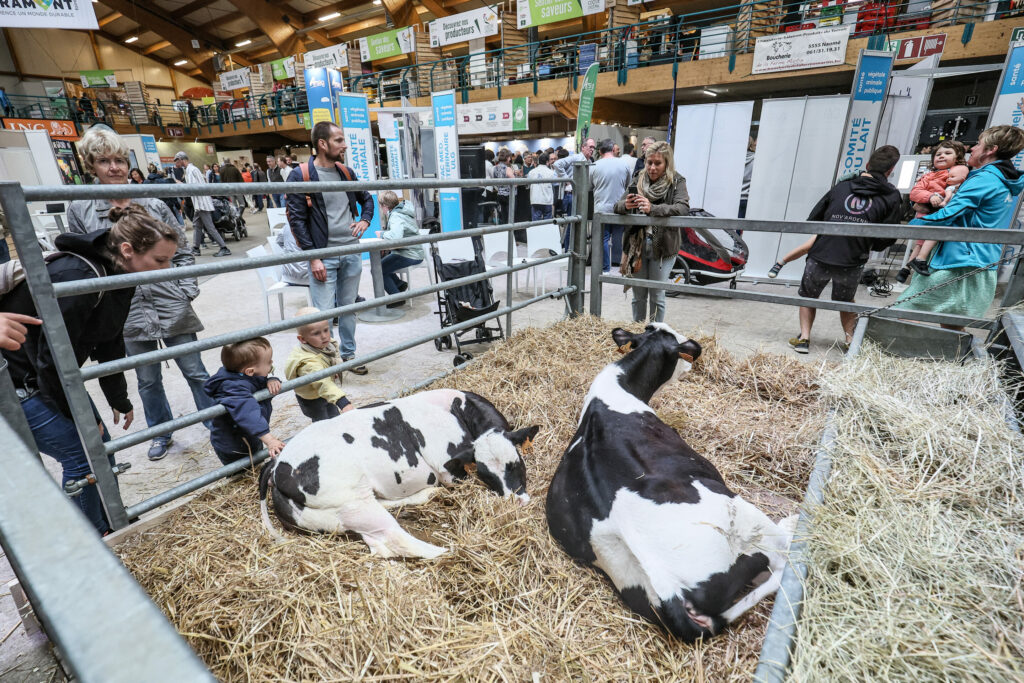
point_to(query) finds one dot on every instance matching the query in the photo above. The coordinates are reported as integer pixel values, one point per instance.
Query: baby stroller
(465, 302)
(704, 260)
(228, 219)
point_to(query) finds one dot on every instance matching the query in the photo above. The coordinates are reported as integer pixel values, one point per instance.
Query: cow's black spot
(397, 437)
(672, 615)
(296, 482)
(515, 476)
(348, 437)
(431, 479)
(454, 449)
(722, 590)
(285, 509)
(489, 478)
(477, 415)
(398, 478)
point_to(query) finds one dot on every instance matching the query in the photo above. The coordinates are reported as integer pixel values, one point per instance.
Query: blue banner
(335, 82)
(318, 95)
(870, 84)
(446, 144)
(1006, 109)
(355, 121)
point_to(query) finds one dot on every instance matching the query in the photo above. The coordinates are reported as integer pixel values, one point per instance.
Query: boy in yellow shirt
(316, 351)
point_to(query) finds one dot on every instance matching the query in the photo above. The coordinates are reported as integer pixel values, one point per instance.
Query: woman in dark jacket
(649, 251)
(136, 242)
(160, 313)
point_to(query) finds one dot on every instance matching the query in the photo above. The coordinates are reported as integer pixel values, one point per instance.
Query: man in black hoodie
(866, 198)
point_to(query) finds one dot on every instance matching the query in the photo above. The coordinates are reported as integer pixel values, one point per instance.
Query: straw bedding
(506, 604)
(915, 557)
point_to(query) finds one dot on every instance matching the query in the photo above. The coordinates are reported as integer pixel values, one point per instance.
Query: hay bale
(507, 603)
(915, 557)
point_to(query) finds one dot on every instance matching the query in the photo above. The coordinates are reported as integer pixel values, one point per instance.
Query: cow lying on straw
(631, 498)
(344, 473)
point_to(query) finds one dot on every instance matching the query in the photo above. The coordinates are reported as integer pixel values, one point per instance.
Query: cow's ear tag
(626, 347)
(471, 467)
(687, 357)
(527, 447)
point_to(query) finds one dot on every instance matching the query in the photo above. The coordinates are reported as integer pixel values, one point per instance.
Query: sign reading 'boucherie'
(387, 44)
(458, 28)
(809, 49)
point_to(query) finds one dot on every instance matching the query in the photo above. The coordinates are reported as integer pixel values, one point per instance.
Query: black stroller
(227, 218)
(465, 302)
(704, 260)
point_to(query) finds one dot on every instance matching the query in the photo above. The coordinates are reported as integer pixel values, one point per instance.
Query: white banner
(48, 14)
(233, 80)
(458, 28)
(355, 122)
(333, 57)
(496, 116)
(388, 128)
(870, 84)
(810, 49)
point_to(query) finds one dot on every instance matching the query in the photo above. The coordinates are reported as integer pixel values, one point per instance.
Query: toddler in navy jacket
(245, 428)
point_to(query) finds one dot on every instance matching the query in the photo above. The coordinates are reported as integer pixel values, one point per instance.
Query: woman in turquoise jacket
(401, 223)
(986, 199)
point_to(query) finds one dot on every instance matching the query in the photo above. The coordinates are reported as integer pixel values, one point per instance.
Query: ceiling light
(376, 2)
(131, 40)
(328, 17)
(710, 93)
(243, 43)
(180, 62)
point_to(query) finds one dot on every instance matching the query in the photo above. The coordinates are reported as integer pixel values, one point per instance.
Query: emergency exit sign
(919, 46)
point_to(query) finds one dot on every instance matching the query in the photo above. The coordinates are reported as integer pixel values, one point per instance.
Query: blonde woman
(649, 251)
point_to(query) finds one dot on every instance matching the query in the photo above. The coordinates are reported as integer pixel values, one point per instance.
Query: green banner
(586, 108)
(283, 69)
(392, 43)
(520, 113)
(98, 79)
(538, 12)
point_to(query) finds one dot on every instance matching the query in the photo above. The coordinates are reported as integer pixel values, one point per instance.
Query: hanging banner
(870, 84)
(586, 107)
(335, 57)
(809, 49)
(233, 80)
(283, 69)
(149, 147)
(458, 28)
(388, 44)
(337, 85)
(48, 14)
(1006, 108)
(446, 147)
(538, 12)
(497, 116)
(318, 96)
(57, 129)
(97, 79)
(387, 124)
(355, 121)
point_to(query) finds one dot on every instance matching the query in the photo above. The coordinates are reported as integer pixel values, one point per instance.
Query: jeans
(651, 269)
(151, 386)
(204, 221)
(392, 263)
(317, 409)
(540, 211)
(503, 200)
(278, 200)
(567, 203)
(57, 437)
(257, 199)
(612, 245)
(175, 207)
(341, 286)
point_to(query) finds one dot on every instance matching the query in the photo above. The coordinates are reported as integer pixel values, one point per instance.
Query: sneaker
(158, 449)
(901, 277)
(396, 304)
(224, 251)
(773, 272)
(800, 345)
(357, 370)
(920, 267)
(196, 252)
(402, 285)
(360, 299)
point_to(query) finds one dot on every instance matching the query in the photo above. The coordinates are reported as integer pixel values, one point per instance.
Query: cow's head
(664, 352)
(497, 461)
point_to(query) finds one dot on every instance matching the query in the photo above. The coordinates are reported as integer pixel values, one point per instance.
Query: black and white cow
(342, 474)
(631, 498)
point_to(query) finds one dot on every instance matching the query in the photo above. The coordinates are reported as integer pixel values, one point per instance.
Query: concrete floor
(231, 301)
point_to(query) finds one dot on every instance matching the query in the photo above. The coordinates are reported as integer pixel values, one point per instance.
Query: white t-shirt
(543, 193)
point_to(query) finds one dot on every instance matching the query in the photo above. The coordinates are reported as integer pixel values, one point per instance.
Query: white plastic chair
(278, 219)
(274, 247)
(271, 282)
(496, 254)
(543, 241)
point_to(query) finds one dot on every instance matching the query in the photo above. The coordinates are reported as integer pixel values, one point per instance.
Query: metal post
(596, 267)
(12, 198)
(511, 256)
(10, 407)
(577, 275)
(382, 313)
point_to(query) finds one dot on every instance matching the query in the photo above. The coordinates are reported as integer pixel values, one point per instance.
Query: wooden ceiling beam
(113, 16)
(156, 47)
(403, 12)
(436, 8)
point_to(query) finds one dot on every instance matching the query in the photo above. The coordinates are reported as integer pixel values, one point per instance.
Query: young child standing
(928, 192)
(956, 176)
(323, 399)
(240, 432)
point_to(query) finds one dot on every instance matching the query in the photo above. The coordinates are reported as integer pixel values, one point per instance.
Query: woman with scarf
(649, 251)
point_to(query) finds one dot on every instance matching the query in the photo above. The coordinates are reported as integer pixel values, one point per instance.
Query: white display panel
(724, 176)
(695, 125)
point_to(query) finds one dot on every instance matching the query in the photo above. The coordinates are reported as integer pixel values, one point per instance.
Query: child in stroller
(228, 219)
(704, 260)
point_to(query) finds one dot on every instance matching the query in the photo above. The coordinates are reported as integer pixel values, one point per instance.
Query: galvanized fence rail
(873, 230)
